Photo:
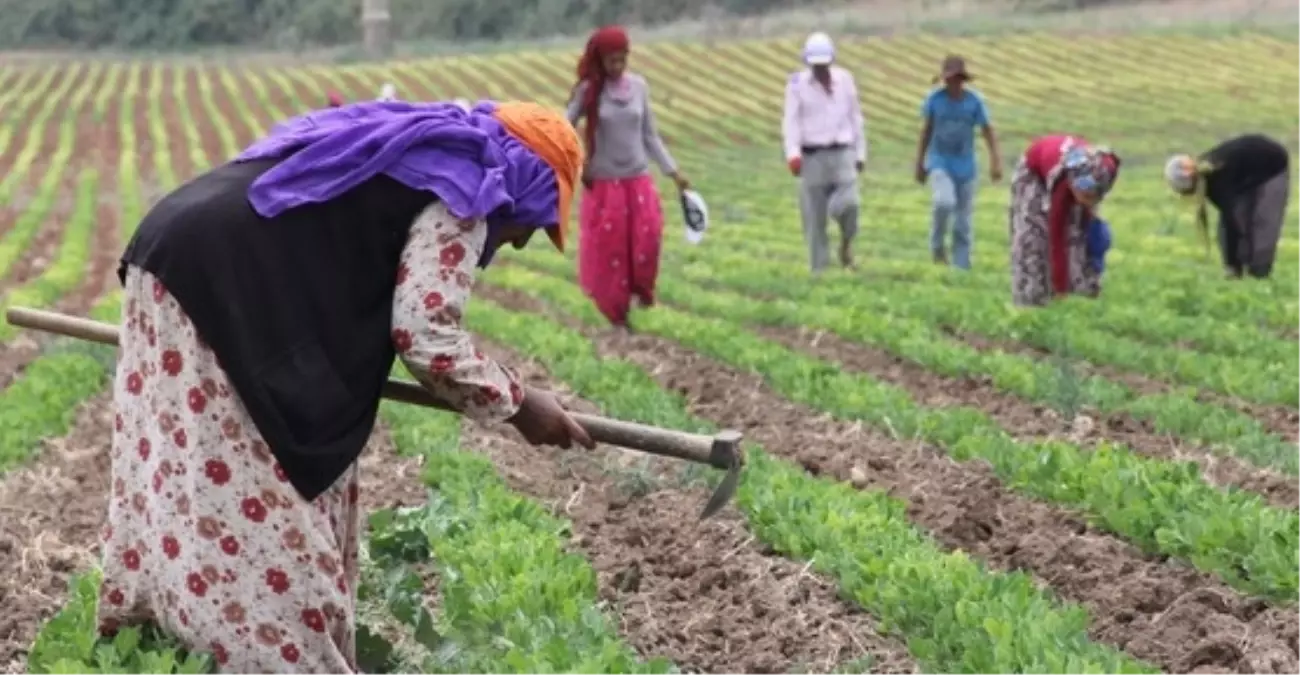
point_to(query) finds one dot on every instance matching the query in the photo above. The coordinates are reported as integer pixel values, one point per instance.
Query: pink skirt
(622, 225)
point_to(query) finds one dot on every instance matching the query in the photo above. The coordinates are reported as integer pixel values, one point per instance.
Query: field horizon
(937, 482)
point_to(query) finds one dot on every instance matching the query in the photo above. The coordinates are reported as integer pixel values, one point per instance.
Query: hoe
(721, 451)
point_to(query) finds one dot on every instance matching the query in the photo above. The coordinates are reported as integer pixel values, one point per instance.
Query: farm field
(937, 482)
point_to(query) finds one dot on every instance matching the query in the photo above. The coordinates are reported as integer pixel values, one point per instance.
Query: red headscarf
(607, 40)
(335, 99)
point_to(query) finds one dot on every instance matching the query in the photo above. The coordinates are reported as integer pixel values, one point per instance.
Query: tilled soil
(1278, 419)
(706, 595)
(1158, 610)
(177, 141)
(198, 112)
(1030, 421)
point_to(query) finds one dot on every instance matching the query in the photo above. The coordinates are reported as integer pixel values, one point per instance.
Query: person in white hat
(825, 147)
(1248, 179)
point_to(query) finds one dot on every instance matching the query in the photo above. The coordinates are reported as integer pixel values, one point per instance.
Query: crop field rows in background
(937, 483)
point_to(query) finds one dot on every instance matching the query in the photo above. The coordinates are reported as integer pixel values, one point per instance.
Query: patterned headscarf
(1091, 168)
(1186, 176)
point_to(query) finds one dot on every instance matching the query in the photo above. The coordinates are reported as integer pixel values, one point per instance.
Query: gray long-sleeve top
(626, 137)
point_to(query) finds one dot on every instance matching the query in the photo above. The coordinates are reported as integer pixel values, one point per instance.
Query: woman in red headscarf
(621, 217)
(1057, 187)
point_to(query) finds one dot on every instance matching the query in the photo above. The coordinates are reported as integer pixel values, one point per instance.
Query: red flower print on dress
(208, 528)
(184, 617)
(516, 393)
(353, 492)
(230, 545)
(327, 564)
(144, 447)
(313, 619)
(231, 428)
(166, 422)
(434, 300)
(402, 340)
(196, 584)
(210, 388)
(172, 362)
(171, 547)
(277, 581)
(253, 509)
(261, 452)
(466, 225)
(159, 292)
(117, 423)
(403, 272)
(219, 653)
(211, 574)
(217, 471)
(290, 653)
(234, 612)
(452, 254)
(116, 597)
(180, 438)
(157, 481)
(442, 364)
(294, 539)
(197, 400)
(280, 474)
(134, 383)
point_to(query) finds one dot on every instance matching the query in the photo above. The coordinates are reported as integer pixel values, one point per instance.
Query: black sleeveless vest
(297, 308)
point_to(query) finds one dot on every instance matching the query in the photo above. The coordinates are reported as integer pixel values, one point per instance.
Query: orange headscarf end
(549, 134)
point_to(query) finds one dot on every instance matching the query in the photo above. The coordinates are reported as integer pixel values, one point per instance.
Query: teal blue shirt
(952, 137)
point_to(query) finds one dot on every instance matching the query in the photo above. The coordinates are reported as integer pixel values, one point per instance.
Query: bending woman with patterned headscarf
(1248, 179)
(264, 302)
(621, 217)
(1058, 184)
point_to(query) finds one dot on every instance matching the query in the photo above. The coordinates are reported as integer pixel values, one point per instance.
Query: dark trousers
(1250, 230)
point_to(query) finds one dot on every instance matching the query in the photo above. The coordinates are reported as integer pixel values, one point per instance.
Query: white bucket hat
(1180, 173)
(818, 49)
(388, 92)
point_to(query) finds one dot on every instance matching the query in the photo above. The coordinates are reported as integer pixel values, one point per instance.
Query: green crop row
(33, 129)
(1162, 506)
(513, 600)
(68, 269)
(1221, 429)
(956, 615)
(20, 236)
(1159, 308)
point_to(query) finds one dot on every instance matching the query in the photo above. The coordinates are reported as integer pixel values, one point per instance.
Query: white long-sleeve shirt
(815, 118)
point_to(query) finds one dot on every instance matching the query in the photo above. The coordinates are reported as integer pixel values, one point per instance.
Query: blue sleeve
(981, 112)
(927, 106)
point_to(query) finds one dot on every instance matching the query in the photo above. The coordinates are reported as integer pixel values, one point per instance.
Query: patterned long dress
(1031, 204)
(204, 534)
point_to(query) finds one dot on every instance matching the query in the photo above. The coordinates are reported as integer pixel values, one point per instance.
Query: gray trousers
(1248, 235)
(828, 188)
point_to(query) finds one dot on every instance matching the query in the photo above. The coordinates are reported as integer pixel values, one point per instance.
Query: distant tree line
(181, 24)
(290, 24)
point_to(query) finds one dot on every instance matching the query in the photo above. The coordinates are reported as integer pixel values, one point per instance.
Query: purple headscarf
(466, 158)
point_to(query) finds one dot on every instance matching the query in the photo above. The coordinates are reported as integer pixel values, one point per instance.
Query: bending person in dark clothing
(1248, 179)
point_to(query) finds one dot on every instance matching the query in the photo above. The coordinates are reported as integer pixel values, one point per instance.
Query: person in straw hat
(1056, 189)
(622, 220)
(263, 304)
(945, 156)
(825, 145)
(1248, 179)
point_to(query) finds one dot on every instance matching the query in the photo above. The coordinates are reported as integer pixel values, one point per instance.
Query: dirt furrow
(198, 112)
(177, 149)
(1158, 610)
(1278, 419)
(705, 595)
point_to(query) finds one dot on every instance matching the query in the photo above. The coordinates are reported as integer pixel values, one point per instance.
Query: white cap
(388, 92)
(818, 50)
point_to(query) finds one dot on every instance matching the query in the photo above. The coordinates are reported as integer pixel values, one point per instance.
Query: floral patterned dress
(204, 535)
